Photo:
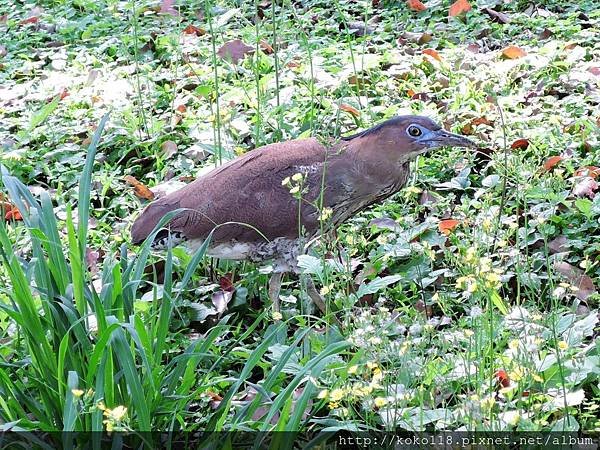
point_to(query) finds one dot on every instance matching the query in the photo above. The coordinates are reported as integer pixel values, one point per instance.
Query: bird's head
(409, 136)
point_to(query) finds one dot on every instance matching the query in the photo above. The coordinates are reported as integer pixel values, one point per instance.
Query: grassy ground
(467, 301)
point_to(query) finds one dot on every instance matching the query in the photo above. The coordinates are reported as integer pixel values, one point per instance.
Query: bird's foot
(315, 296)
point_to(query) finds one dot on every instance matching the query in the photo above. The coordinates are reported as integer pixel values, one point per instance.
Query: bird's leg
(314, 295)
(274, 288)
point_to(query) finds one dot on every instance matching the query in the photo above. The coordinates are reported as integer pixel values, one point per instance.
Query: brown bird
(248, 203)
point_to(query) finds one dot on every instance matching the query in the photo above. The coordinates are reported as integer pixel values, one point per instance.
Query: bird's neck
(377, 158)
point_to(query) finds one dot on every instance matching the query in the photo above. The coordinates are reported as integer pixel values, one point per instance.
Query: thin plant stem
(137, 72)
(218, 158)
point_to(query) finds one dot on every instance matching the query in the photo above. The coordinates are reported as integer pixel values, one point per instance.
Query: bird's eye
(414, 131)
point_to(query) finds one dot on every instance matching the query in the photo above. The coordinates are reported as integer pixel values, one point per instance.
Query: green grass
(96, 334)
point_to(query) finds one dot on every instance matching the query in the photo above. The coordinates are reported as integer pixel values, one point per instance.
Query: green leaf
(43, 113)
(377, 285)
(310, 264)
(584, 206)
(499, 303)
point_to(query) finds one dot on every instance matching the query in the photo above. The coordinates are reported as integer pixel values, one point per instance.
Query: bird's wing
(247, 191)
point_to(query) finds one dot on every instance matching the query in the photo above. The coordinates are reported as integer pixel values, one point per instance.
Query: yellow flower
(514, 419)
(377, 375)
(295, 190)
(488, 402)
(371, 365)
(562, 345)
(109, 425)
(516, 374)
(537, 378)
(468, 332)
(485, 265)
(336, 395)
(352, 369)
(470, 256)
(382, 239)
(285, 181)
(487, 224)
(77, 392)
(404, 348)
(118, 413)
(493, 278)
(380, 402)
(472, 287)
(413, 190)
(513, 344)
(465, 282)
(101, 406)
(326, 289)
(325, 214)
(350, 239)
(323, 394)
(277, 316)
(333, 405)
(297, 177)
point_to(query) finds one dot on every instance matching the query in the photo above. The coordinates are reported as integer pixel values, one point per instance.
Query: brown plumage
(255, 217)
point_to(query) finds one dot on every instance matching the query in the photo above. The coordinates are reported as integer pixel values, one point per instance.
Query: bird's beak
(442, 138)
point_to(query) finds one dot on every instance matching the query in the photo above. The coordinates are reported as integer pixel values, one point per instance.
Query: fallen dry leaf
(431, 52)
(559, 244)
(585, 187)
(350, 110)
(447, 225)
(139, 188)
(577, 278)
(552, 161)
(169, 148)
(587, 171)
(385, 223)
(166, 7)
(226, 282)
(459, 7)
(513, 52)
(520, 144)
(473, 48)
(221, 299)
(545, 34)
(496, 16)
(235, 51)
(191, 29)
(482, 121)
(91, 260)
(416, 5)
(266, 48)
(29, 20)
